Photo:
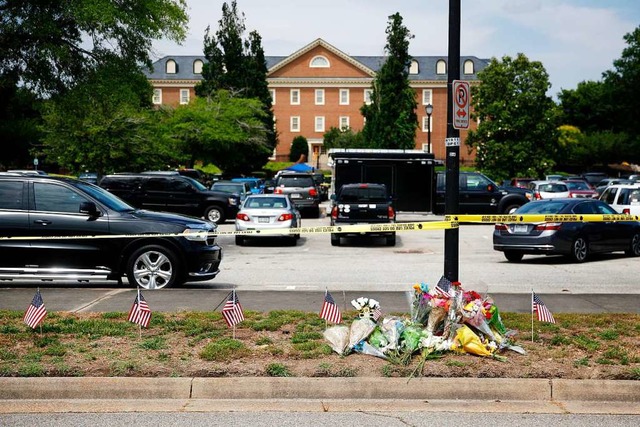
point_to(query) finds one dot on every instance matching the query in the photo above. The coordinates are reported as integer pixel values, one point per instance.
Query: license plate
(295, 196)
(520, 228)
(263, 219)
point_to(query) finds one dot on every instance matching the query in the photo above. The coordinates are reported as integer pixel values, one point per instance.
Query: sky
(576, 40)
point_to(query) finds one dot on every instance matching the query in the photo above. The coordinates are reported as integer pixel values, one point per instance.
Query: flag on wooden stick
(330, 311)
(36, 311)
(232, 310)
(140, 312)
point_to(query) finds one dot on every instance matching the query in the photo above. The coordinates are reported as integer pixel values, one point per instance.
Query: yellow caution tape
(541, 218)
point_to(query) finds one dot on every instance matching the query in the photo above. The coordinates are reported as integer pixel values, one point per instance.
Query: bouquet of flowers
(367, 308)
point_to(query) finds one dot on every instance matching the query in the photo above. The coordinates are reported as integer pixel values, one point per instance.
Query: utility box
(408, 174)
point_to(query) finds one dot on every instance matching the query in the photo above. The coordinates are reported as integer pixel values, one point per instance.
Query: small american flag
(232, 310)
(377, 313)
(443, 287)
(330, 311)
(544, 315)
(140, 312)
(36, 311)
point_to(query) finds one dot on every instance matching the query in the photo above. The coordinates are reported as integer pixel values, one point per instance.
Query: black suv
(40, 214)
(480, 195)
(362, 204)
(172, 193)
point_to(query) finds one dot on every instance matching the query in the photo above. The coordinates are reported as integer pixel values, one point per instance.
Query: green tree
(342, 138)
(588, 107)
(299, 148)
(391, 119)
(220, 129)
(517, 131)
(50, 44)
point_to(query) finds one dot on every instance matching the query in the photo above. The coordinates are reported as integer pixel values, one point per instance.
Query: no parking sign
(461, 95)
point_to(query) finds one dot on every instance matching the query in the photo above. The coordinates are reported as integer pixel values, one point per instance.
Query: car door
(182, 197)
(14, 222)
(477, 194)
(55, 212)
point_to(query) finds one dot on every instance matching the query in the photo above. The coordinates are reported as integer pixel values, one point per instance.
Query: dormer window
(319, 62)
(197, 66)
(441, 67)
(468, 67)
(414, 68)
(171, 67)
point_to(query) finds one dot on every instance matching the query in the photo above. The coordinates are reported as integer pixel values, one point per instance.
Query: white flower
(373, 303)
(356, 305)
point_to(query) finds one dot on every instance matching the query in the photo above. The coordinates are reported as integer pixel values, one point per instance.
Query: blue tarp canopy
(300, 167)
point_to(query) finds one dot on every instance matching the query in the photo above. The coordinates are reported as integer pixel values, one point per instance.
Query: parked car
(549, 190)
(521, 182)
(576, 240)
(91, 177)
(602, 185)
(242, 189)
(480, 195)
(267, 212)
(269, 186)
(255, 184)
(624, 198)
(42, 207)
(28, 171)
(320, 185)
(302, 190)
(172, 193)
(580, 188)
(362, 204)
(594, 178)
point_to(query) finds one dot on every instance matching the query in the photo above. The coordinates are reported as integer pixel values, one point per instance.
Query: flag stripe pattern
(544, 315)
(140, 312)
(377, 313)
(330, 311)
(232, 310)
(443, 288)
(36, 311)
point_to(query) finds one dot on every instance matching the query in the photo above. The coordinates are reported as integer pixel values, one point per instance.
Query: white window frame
(344, 122)
(368, 94)
(319, 61)
(197, 66)
(171, 67)
(272, 93)
(425, 146)
(294, 96)
(185, 95)
(427, 96)
(414, 68)
(319, 96)
(294, 124)
(425, 120)
(157, 96)
(441, 67)
(344, 96)
(319, 123)
(468, 67)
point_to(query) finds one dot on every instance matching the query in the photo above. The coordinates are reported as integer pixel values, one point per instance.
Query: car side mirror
(491, 188)
(89, 208)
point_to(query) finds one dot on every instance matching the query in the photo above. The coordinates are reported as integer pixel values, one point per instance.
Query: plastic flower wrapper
(495, 321)
(360, 329)
(467, 341)
(366, 348)
(338, 338)
(410, 338)
(436, 317)
(392, 328)
(436, 343)
(420, 306)
(378, 339)
(473, 314)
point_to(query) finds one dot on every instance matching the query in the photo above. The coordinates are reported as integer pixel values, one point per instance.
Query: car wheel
(391, 240)
(152, 267)
(513, 256)
(239, 240)
(214, 214)
(579, 249)
(292, 241)
(634, 247)
(335, 240)
(510, 209)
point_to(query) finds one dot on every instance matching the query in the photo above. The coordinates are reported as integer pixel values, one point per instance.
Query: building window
(368, 93)
(319, 62)
(272, 93)
(295, 124)
(344, 96)
(441, 67)
(157, 96)
(344, 122)
(426, 96)
(425, 148)
(197, 66)
(184, 96)
(425, 123)
(171, 67)
(414, 68)
(468, 67)
(319, 96)
(295, 96)
(319, 124)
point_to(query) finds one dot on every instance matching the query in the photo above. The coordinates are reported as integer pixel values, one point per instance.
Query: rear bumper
(364, 233)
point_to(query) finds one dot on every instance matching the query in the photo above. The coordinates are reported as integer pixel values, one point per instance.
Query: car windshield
(104, 197)
(553, 188)
(195, 183)
(578, 185)
(265, 203)
(228, 188)
(296, 181)
(547, 207)
(371, 194)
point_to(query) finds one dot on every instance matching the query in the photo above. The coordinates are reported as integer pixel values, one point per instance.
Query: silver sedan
(267, 212)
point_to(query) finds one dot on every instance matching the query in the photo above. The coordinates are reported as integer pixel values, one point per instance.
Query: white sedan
(267, 212)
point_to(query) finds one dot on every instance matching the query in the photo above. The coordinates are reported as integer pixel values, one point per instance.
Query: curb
(502, 389)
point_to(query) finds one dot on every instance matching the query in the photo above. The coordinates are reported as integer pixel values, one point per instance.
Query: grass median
(290, 343)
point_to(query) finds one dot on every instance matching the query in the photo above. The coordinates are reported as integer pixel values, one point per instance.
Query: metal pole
(429, 132)
(452, 195)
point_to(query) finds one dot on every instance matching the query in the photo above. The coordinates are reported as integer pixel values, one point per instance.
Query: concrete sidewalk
(111, 394)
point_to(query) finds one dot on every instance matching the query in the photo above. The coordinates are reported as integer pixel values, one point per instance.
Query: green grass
(224, 349)
(278, 370)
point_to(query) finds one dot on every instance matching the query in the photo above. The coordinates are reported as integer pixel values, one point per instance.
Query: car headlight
(196, 235)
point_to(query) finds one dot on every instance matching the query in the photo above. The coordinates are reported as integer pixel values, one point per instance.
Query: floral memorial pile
(444, 318)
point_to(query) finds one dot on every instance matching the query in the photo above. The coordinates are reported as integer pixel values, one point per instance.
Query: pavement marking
(90, 304)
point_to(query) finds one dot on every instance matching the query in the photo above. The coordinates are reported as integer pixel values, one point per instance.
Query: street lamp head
(428, 109)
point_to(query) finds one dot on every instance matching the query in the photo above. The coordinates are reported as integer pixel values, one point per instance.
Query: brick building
(319, 87)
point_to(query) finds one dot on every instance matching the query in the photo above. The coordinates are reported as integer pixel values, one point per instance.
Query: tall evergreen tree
(391, 119)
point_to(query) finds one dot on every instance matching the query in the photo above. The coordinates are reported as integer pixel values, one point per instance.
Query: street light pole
(429, 110)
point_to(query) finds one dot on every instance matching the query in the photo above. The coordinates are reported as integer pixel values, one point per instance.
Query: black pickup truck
(362, 204)
(480, 195)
